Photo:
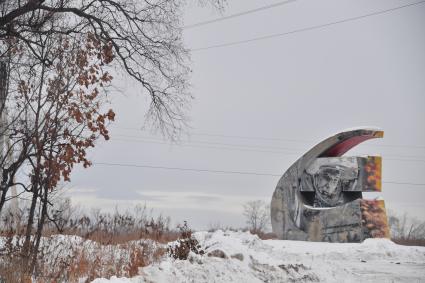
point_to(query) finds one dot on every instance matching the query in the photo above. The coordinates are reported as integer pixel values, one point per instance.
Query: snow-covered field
(242, 257)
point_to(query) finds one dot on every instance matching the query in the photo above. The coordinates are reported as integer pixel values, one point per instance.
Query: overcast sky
(259, 106)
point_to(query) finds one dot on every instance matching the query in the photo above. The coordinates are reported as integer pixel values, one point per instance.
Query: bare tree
(257, 214)
(145, 36)
(406, 228)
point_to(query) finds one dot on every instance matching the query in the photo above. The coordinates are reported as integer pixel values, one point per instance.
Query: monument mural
(319, 198)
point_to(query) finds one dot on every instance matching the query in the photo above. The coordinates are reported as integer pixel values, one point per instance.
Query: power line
(404, 183)
(221, 171)
(233, 147)
(307, 28)
(271, 138)
(238, 14)
(398, 159)
(244, 147)
(190, 141)
(206, 146)
(245, 137)
(184, 169)
(225, 136)
(214, 143)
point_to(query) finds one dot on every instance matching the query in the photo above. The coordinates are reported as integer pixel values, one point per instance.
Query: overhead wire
(270, 138)
(221, 171)
(222, 135)
(250, 148)
(143, 138)
(242, 147)
(239, 42)
(206, 146)
(239, 14)
(211, 143)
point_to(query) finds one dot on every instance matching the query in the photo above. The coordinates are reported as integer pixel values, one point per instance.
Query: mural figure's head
(329, 179)
(327, 184)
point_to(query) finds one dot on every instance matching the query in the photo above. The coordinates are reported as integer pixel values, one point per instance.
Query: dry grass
(266, 236)
(97, 245)
(71, 258)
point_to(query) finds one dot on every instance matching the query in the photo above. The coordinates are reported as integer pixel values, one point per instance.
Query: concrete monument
(319, 198)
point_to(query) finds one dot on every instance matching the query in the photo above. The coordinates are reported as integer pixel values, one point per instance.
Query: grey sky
(270, 101)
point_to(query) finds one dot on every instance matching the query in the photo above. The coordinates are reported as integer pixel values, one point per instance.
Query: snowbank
(242, 257)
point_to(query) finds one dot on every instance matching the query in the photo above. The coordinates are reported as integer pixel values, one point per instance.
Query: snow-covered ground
(250, 259)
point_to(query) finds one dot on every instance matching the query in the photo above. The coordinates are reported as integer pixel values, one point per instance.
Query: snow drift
(243, 257)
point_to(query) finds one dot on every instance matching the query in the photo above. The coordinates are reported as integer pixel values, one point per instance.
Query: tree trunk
(39, 229)
(26, 250)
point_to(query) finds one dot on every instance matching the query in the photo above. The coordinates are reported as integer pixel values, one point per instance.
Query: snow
(250, 259)
(369, 128)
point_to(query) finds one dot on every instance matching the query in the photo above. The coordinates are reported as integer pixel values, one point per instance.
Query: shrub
(181, 248)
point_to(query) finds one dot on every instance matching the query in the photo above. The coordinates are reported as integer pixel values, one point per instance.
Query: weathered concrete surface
(319, 196)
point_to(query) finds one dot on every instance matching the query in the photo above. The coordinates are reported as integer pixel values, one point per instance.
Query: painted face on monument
(327, 184)
(330, 179)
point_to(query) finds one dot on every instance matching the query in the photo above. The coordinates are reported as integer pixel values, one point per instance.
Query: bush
(181, 248)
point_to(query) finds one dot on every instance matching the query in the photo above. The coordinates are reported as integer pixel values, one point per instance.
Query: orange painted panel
(374, 219)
